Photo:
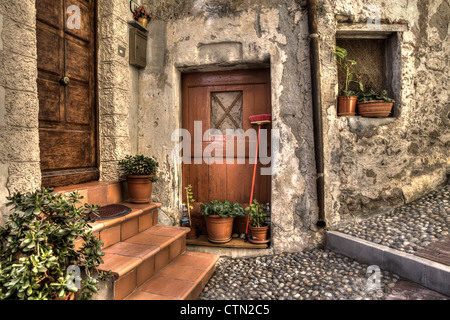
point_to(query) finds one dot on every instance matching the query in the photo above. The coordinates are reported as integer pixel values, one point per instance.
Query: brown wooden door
(207, 97)
(66, 47)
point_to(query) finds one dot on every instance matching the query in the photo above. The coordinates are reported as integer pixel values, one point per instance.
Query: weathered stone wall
(371, 164)
(221, 35)
(19, 142)
(375, 164)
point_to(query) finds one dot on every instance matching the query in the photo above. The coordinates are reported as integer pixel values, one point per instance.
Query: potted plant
(189, 200)
(37, 249)
(141, 15)
(257, 222)
(219, 216)
(140, 174)
(347, 100)
(373, 104)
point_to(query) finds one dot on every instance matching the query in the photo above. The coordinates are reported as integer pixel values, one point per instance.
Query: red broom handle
(254, 174)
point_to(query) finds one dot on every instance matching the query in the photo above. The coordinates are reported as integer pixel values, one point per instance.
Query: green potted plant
(140, 172)
(374, 104)
(189, 200)
(219, 216)
(257, 222)
(347, 100)
(37, 249)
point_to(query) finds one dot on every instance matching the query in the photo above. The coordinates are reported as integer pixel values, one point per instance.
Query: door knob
(65, 80)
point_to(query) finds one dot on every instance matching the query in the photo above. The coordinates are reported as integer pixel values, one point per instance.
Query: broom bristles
(260, 118)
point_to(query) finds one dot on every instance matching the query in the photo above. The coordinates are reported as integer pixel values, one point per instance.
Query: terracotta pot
(241, 224)
(258, 233)
(375, 108)
(219, 229)
(70, 296)
(139, 188)
(143, 21)
(192, 234)
(347, 106)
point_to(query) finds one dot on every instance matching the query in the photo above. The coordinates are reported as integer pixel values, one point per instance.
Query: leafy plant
(37, 247)
(139, 165)
(340, 55)
(189, 200)
(257, 214)
(224, 209)
(372, 95)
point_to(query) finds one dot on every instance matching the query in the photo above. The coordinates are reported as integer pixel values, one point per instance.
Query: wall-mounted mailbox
(138, 48)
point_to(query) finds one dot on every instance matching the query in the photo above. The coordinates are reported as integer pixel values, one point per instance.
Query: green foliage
(189, 199)
(372, 95)
(37, 247)
(224, 209)
(340, 55)
(257, 214)
(139, 165)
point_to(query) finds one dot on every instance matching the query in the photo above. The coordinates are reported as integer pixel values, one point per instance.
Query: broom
(259, 120)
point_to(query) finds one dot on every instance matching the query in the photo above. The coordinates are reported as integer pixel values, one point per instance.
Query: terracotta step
(136, 259)
(182, 279)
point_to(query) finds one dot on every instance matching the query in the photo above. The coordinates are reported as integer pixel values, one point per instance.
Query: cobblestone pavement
(408, 228)
(321, 274)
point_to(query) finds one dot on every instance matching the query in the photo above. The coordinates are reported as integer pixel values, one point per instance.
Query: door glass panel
(226, 110)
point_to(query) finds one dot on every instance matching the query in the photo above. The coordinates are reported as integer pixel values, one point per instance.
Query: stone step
(136, 259)
(182, 279)
(427, 273)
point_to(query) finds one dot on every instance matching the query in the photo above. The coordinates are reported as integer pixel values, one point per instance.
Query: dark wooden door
(66, 49)
(224, 100)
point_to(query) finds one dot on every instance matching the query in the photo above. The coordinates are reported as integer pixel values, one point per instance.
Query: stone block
(114, 125)
(24, 177)
(222, 52)
(19, 72)
(19, 39)
(113, 26)
(114, 101)
(114, 75)
(17, 144)
(22, 109)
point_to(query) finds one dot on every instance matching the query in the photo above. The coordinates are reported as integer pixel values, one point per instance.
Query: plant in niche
(372, 95)
(340, 55)
(37, 247)
(139, 165)
(257, 214)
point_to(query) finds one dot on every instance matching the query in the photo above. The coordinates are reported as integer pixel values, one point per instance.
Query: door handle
(65, 80)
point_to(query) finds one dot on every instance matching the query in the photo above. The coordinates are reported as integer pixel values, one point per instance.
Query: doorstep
(202, 240)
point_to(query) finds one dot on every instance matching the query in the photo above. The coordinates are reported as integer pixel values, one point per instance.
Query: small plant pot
(258, 234)
(375, 108)
(347, 106)
(219, 229)
(241, 224)
(192, 234)
(140, 188)
(143, 21)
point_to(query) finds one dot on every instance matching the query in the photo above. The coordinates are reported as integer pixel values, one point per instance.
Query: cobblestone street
(324, 275)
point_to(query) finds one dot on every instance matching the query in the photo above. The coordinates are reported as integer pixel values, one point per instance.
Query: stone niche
(378, 57)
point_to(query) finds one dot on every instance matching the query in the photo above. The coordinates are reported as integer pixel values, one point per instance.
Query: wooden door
(66, 47)
(207, 97)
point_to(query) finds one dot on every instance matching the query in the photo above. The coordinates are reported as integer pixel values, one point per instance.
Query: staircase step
(182, 279)
(137, 258)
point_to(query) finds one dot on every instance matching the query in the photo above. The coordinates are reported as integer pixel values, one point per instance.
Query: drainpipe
(317, 107)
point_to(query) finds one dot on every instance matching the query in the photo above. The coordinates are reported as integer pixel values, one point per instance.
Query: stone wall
(371, 164)
(375, 164)
(19, 142)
